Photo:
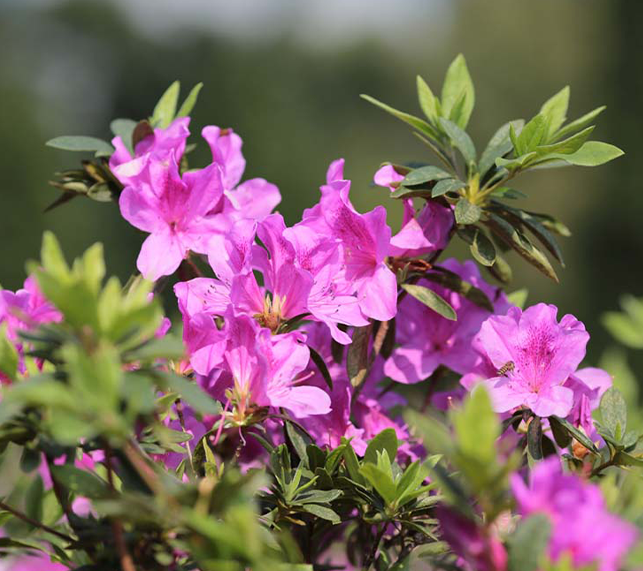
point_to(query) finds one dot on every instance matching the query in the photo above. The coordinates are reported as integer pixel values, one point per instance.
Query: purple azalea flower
(582, 528)
(422, 233)
(253, 199)
(428, 340)
(263, 369)
(40, 561)
(543, 353)
(363, 241)
(176, 211)
(476, 550)
(589, 385)
(131, 170)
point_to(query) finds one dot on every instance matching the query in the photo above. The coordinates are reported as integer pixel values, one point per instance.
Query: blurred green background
(287, 76)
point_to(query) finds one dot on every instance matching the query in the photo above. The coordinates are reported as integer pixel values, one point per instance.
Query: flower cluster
(398, 400)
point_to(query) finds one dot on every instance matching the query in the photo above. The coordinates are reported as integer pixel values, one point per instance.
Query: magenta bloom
(39, 562)
(176, 211)
(253, 199)
(159, 146)
(428, 340)
(364, 241)
(26, 309)
(263, 369)
(581, 525)
(589, 385)
(476, 551)
(421, 233)
(544, 354)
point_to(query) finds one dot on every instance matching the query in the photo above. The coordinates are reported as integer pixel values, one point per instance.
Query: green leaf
(454, 282)
(380, 481)
(561, 436)
(528, 544)
(580, 436)
(566, 146)
(428, 102)
(8, 354)
(467, 213)
(190, 392)
(34, 497)
(190, 101)
(446, 185)
(415, 122)
(533, 224)
(591, 154)
(385, 440)
(555, 111)
(521, 244)
(614, 412)
(501, 270)
(624, 329)
(165, 109)
(534, 438)
(322, 512)
(357, 357)
(579, 123)
(432, 300)
(458, 87)
(499, 145)
(460, 140)
(316, 358)
(518, 297)
(80, 482)
(482, 249)
(124, 128)
(168, 347)
(531, 136)
(477, 427)
(81, 144)
(424, 174)
(297, 440)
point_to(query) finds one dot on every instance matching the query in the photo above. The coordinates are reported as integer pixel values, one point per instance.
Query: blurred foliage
(70, 66)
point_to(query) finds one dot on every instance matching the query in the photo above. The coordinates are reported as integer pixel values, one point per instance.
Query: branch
(35, 523)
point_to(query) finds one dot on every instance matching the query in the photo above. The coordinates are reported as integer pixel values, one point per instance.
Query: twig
(371, 556)
(35, 523)
(127, 563)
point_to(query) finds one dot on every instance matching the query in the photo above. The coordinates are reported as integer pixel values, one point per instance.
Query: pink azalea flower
(428, 340)
(589, 385)
(476, 550)
(39, 562)
(364, 241)
(421, 234)
(263, 369)
(176, 211)
(253, 199)
(543, 353)
(581, 525)
(129, 170)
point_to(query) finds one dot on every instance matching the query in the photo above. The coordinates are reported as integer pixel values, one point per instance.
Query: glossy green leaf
(165, 109)
(467, 213)
(460, 140)
(190, 101)
(528, 544)
(81, 144)
(385, 440)
(424, 174)
(428, 101)
(614, 412)
(499, 145)
(432, 300)
(458, 88)
(579, 123)
(415, 122)
(357, 356)
(80, 482)
(446, 185)
(531, 136)
(555, 111)
(190, 392)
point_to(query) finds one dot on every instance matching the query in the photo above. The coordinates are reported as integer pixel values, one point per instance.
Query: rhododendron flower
(422, 233)
(263, 369)
(176, 211)
(589, 385)
(252, 199)
(36, 562)
(363, 240)
(158, 146)
(26, 308)
(428, 340)
(477, 551)
(542, 352)
(582, 528)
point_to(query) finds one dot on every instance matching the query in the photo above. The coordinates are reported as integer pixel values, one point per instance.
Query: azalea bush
(333, 394)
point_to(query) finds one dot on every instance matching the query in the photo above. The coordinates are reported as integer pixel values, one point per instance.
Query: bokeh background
(287, 74)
